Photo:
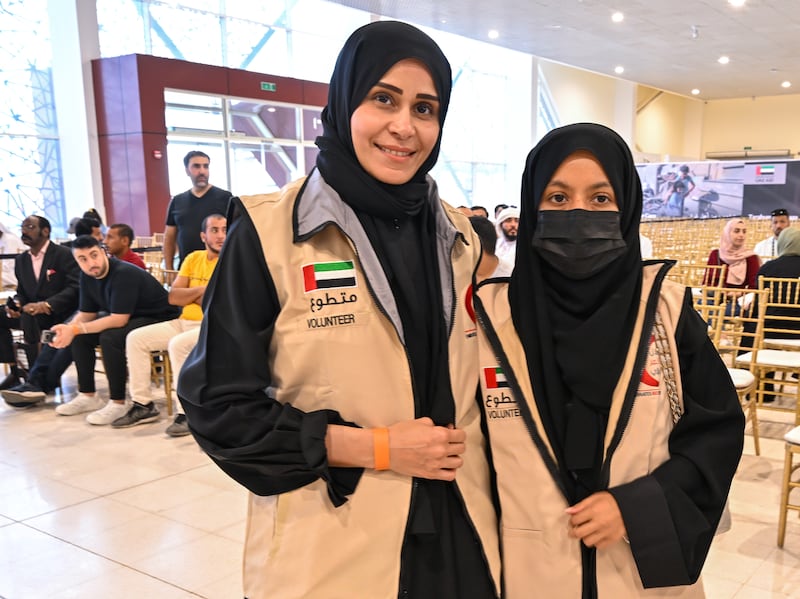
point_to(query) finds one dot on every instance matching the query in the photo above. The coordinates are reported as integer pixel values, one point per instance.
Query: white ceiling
(654, 42)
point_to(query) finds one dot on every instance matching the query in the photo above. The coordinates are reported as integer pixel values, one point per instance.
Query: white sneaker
(107, 414)
(80, 404)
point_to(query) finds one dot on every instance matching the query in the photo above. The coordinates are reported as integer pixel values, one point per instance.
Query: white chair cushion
(776, 357)
(741, 378)
(793, 436)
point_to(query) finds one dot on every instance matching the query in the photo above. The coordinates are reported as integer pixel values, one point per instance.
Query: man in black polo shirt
(130, 298)
(187, 210)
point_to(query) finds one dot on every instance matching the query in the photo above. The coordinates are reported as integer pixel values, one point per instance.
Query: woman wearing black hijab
(335, 374)
(614, 426)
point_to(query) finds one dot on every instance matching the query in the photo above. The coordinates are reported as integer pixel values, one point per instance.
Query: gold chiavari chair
(735, 333)
(704, 280)
(698, 274)
(142, 242)
(777, 348)
(160, 367)
(792, 439)
(161, 372)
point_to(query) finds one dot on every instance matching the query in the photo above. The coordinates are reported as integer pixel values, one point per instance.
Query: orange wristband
(380, 440)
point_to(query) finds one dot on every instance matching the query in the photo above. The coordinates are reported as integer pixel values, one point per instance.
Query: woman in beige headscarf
(742, 263)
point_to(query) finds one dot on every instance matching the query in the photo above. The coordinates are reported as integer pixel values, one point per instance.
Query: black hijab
(366, 56)
(398, 219)
(399, 222)
(576, 333)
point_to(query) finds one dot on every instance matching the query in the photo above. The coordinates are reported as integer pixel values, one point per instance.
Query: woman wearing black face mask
(614, 426)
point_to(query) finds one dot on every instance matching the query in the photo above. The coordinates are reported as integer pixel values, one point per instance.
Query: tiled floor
(91, 512)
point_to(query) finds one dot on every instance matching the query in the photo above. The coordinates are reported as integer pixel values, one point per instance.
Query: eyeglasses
(779, 212)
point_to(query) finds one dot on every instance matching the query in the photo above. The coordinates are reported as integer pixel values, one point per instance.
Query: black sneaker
(138, 414)
(179, 428)
(12, 380)
(25, 395)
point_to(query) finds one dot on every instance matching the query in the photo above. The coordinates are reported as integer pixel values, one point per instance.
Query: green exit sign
(746, 147)
(266, 86)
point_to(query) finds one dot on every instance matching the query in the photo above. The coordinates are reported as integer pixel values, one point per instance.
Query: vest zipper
(639, 366)
(453, 291)
(474, 530)
(630, 398)
(414, 482)
(475, 534)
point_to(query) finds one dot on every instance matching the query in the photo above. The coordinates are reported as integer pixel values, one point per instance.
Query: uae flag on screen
(329, 275)
(763, 170)
(495, 379)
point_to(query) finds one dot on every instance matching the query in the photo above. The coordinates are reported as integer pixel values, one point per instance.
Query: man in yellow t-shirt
(187, 290)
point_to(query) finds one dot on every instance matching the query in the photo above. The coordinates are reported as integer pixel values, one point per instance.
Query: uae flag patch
(329, 275)
(495, 379)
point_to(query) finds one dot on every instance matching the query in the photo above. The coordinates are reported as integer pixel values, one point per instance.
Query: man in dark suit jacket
(47, 293)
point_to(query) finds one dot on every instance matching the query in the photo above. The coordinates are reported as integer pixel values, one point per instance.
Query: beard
(510, 235)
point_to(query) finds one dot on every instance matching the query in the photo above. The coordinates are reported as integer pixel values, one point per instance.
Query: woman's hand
(596, 521)
(418, 448)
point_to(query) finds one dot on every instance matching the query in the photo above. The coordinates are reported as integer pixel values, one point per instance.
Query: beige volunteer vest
(333, 348)
(539, 559)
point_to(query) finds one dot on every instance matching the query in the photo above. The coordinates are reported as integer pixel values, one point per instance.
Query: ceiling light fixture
(493, 34)
(723, 60)
(736, 3)
(617, 17)
(695, 31)
(786, 84)
(619, 70)
(695, 92)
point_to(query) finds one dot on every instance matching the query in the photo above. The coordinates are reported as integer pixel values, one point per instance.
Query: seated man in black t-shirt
(131, 298)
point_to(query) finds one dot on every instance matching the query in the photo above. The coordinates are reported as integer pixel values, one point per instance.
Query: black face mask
(578, 243)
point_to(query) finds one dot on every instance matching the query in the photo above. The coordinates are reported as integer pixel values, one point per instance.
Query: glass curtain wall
(488, 130)
(254, 147)
(30, 171)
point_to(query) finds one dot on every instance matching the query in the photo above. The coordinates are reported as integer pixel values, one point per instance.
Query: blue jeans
(49, 366)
